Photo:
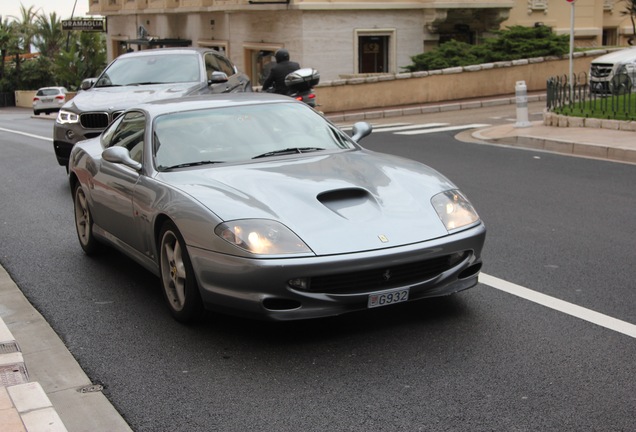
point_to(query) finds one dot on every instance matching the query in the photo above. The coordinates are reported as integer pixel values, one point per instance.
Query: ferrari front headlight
(454, 209)
(261, 237)
(64, 117)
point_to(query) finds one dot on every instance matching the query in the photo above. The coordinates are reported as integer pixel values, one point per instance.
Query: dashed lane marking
(26, 134)
(560, 305)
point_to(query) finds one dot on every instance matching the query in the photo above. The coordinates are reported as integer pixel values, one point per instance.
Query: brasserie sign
(83, 24)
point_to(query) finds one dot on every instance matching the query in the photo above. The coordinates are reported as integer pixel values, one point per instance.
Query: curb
(622, 148)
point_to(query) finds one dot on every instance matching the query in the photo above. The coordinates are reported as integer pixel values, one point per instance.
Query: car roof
(191, 103)
(167, 51)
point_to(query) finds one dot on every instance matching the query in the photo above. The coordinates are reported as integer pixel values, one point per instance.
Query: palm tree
(26, 26)
(49, 37)
(630, 9)
(7, 42)
(25, 30)
(9, 45)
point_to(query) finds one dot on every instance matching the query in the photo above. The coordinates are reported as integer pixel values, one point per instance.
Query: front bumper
(259, 288)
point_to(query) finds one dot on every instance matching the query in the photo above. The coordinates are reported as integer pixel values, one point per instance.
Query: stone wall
(459, 83)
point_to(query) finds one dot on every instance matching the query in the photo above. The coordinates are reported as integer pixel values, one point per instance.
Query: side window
(225, 65)
(211, 65)
(130, 134)
(214, 62)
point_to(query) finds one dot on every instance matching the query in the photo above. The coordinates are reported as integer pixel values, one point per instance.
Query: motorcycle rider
(278, 73)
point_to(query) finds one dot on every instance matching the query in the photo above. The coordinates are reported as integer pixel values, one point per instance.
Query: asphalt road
(481, 360)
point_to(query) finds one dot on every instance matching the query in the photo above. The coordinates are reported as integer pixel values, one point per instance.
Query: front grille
(601, 70)
(94, 120)
(385, 277)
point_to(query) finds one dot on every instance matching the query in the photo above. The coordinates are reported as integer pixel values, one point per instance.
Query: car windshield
(151, 69)
(48, 92)
(241, 133)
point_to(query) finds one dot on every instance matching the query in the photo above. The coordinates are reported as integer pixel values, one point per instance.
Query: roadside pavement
(43, 388)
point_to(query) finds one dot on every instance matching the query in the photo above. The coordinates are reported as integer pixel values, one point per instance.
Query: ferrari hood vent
(352, 203)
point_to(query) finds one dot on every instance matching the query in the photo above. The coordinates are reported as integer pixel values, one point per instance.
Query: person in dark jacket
(278, 73)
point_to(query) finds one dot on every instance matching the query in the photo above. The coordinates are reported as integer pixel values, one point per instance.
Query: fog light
(299, 283)
(70, 134)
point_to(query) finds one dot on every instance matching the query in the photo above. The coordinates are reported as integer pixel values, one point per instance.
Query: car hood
(338, 203)
(120, 98)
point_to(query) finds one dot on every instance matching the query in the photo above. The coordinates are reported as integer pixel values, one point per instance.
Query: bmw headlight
(262, 237)
(64, 117)
(454, 209)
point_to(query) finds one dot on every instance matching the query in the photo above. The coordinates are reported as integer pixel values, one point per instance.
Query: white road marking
(560, 305)
(349, 127)
(383, 128)
(442, 129)
(26, 134)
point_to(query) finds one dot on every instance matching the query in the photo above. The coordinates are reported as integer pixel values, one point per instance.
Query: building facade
(342, 38)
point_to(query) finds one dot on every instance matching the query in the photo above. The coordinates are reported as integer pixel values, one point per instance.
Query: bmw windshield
(151, 69)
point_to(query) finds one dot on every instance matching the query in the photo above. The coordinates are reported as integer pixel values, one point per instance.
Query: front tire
(84, 222)
(180, 288)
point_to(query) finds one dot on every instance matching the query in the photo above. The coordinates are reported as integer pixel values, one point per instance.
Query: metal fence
(7, 99)
(606, 98)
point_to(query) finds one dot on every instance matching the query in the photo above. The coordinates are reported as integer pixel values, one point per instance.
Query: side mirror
(87, 83)
(361, 130)
(120, 155)
(218, 77)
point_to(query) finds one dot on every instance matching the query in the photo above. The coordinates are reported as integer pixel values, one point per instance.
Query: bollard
(521, 93)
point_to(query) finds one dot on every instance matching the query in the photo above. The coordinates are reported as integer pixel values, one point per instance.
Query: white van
(614, 73)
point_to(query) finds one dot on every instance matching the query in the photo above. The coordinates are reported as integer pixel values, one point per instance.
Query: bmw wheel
(84, 222)
(179, 284)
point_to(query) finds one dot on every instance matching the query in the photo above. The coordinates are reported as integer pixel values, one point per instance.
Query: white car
(49, 99)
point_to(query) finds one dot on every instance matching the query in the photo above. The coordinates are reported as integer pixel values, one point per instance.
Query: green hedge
(513, 43)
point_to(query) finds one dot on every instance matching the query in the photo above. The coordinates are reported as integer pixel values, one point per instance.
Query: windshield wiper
(190, 164)
(291, 150)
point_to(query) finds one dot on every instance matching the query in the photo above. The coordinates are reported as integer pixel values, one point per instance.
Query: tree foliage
(65, 58)
(513, 43)
(84, 58)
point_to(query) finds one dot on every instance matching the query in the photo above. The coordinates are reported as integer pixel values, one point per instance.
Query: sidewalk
(43, 388)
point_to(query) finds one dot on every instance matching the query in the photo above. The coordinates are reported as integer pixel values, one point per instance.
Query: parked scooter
(301, 83)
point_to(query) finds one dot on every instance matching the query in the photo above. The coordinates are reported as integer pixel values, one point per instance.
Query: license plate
(47, 100)
(388, 298)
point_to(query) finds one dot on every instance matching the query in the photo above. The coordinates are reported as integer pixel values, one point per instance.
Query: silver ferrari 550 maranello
(256, 205)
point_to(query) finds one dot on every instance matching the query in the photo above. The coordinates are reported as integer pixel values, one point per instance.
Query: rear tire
(179, 284)
(84, 222)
